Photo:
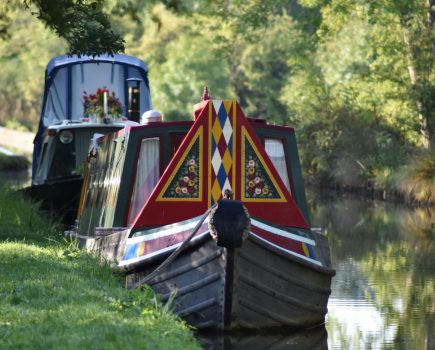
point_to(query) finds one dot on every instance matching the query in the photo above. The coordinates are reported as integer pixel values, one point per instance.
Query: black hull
(311, 339)
(60, 198)
(254, 287)
(197, 281)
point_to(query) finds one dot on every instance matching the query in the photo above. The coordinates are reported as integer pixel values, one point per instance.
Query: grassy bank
(54, 296)
(13, 163)
(413, 183)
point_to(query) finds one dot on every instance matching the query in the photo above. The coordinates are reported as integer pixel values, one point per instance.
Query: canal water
(383, 295)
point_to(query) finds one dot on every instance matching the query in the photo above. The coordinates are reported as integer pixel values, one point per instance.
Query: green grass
(55, 296)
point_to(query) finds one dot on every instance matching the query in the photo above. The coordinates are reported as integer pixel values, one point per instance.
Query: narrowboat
(212, 214)
(83, 96)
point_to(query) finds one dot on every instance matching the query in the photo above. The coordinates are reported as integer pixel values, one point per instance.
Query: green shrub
(13, 163)
(417, 179)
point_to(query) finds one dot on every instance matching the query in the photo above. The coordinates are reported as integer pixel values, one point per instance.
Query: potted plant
(101, 104)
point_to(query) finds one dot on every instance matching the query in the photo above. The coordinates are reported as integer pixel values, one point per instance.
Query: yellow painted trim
(210, 120)
(234, 116)
(160, 197)
(246, 137)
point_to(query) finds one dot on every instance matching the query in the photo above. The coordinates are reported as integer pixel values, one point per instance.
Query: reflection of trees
(403, 279)
(393, 251)
(354, 226)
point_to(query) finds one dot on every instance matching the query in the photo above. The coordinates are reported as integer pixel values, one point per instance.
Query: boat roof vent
(151, 116)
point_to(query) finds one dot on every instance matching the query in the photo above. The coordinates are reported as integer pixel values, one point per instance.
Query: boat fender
(229, 223)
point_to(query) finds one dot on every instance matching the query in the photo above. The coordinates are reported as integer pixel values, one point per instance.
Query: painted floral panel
(186, 181)
(257, 181)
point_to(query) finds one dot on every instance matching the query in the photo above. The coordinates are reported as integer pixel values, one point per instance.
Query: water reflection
(383, 296)
(311, 339)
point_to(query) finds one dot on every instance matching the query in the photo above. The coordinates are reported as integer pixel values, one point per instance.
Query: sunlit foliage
(356, 78)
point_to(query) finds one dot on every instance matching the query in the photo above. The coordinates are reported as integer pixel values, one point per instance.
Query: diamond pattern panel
(221, 149)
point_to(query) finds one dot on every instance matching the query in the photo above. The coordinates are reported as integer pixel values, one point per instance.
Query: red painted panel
(157, 211)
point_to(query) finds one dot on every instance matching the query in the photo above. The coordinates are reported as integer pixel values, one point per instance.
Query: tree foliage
(23, 67)
(82, 23)
(355, 77)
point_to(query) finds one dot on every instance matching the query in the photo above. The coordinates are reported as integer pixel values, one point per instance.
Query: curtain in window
(147, 175)
(275, 151)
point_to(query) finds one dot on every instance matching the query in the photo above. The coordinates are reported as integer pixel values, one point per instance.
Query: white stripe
(303, 257)
(157, 252)
(282, 233)
(166, 231)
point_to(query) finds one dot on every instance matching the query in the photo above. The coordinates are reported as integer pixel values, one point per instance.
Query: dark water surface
(383, 295)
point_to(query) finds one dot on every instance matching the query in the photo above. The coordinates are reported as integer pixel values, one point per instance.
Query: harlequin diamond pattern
(221, 150)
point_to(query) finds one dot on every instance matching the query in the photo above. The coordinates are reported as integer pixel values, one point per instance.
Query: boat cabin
(69, 82)
(65, 148)
(153, 205)
(165, 172)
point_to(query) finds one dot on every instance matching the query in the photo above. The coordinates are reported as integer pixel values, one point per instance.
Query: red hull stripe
(289, 242)
(283, 242)
(278, 232)
(167, 238)
(301, 256)
(163, 239)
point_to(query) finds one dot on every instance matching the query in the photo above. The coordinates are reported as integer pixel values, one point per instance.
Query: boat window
(89, 77)
(68, 84)
(145, 96)
(147, 175)
(55, 105)
(86, 77)
(40, 174)
(64, 160)
(275, 151)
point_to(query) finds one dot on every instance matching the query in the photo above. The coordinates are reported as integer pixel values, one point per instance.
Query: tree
(23, 66)
(82, 23)
(182, 61)
(402, 31)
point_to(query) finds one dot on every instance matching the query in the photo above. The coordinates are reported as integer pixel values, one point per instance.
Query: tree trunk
(423, 111)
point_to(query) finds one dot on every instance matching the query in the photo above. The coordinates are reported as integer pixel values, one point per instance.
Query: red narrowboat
(212, 214)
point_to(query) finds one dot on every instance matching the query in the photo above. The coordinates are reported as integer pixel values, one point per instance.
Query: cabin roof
(73, 125)
(65, 60)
